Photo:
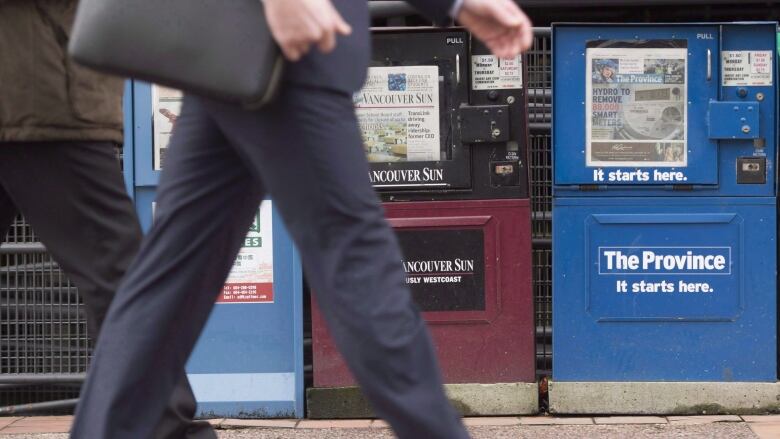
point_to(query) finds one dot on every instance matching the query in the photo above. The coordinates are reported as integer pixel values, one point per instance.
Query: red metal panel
(494, 344)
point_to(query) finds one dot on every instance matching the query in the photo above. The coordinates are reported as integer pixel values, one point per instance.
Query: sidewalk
(617, 427)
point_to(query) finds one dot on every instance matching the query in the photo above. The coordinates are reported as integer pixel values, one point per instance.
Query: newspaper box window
(636, 103)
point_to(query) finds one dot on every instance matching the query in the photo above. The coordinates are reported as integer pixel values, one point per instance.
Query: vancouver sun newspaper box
(664, 214)
(444, 127)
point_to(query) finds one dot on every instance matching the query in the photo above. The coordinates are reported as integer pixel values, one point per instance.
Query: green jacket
(45, 96)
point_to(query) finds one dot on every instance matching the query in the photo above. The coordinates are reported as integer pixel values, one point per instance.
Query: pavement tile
(46, 427)
(266, 423)
(337, 423)
(616, 420)
(44, 419)
(764, 430)
(378, 423)
(761, 418)
(553, 420)
(702, 419)
(8, 420)
(492, 421)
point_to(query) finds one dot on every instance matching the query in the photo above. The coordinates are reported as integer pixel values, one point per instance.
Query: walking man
(305, 151)
(59, 130)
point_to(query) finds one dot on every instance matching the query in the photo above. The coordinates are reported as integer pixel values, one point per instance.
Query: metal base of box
(664, 398)
(470, 400)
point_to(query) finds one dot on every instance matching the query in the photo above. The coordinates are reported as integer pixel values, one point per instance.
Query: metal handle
(457, 68)
(709, 65)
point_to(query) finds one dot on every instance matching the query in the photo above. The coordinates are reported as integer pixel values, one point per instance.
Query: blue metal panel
(733, 120)
(664, 289)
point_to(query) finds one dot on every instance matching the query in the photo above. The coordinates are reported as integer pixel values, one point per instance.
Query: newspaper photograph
(636, 106)
(166, 106)
(398, 112)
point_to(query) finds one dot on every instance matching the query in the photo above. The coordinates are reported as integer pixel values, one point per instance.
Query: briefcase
(220, 49)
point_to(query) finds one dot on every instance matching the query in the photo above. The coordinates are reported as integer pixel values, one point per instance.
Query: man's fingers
(290, 52)
(328, 41)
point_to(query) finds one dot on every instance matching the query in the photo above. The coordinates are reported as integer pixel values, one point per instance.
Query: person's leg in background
(74, 197)
(313, 164)
(205, 204)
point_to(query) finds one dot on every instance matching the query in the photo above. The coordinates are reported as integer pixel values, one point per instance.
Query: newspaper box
(664, 214)
(444, 127)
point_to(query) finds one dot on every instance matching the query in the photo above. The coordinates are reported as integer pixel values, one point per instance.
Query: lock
(484, 123)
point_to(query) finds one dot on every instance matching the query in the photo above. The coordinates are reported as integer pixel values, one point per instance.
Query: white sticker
(747, 67)
(490, 73)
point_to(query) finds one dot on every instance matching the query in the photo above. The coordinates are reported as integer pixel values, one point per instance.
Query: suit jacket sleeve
(437, 11)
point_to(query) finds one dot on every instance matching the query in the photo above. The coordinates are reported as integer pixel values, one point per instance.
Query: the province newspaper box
(248, 361)
(664, 218)
(444, 127)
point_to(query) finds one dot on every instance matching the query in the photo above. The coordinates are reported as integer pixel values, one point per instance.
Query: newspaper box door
(636, 103)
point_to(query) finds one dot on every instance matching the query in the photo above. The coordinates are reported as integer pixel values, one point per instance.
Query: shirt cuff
(455, 10)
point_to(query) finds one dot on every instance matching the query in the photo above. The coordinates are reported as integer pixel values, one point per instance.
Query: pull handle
(457, 69)
(709, 65)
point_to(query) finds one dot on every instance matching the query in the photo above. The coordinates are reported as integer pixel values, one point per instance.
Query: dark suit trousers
(305, 151)
(74, 197)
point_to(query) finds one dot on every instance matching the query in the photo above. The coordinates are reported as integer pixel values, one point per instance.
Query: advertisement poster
(166, 106)
(636, 112)
(251, 279)
(489, 72)
(398, 112)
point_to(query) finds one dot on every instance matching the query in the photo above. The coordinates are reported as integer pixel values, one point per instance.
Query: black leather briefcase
(221, 49)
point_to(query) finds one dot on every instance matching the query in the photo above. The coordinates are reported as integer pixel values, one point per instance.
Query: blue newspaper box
(248, 362)
(664, 217)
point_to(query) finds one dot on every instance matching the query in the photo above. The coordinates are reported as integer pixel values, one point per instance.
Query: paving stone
(490, 421)
(554, 420)
(614, 420)
(8, 420)
(337, 423)
(761, 418)
(378, 423)
(266, 423)
(44, 427)
(764, 430)
(703, 419)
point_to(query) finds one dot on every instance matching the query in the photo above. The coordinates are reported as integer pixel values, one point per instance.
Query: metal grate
(539, 60)
(43, 328)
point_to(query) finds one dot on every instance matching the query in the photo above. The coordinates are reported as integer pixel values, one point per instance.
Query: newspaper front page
(398, 112)
(636, 106)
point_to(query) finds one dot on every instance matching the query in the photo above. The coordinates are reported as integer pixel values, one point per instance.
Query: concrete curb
(664, 398)
(500, 399)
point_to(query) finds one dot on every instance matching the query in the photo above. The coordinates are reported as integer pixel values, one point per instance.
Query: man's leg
(205, 205)
(74, 197)
(312, 163)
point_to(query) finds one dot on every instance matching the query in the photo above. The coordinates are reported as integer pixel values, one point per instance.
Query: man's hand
(500, 24)
(297, 24)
